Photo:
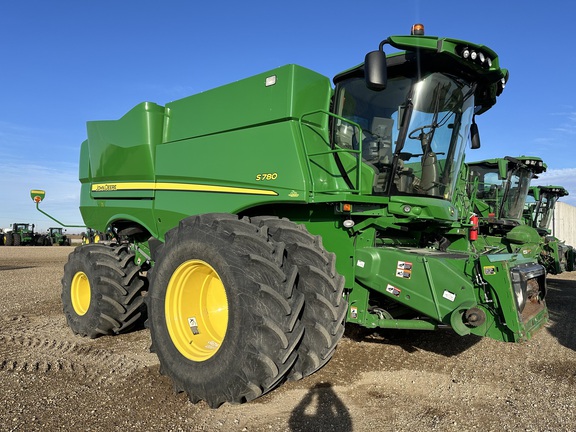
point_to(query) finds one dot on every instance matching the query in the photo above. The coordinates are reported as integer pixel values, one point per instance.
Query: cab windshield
(515, 193)
(505, 197)
(413, 132)
(545, 209)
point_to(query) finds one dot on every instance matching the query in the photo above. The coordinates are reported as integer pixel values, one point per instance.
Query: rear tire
(227, 277)
(325, 307)
(102, 291)
(9, 238)
(17, 240)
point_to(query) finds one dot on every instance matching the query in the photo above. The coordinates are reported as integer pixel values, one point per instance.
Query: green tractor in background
(22, 234)
(256, 218)
(93, 236)
(56, 236)
(538, 213)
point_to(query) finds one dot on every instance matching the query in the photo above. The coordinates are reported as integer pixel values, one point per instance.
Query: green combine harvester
(538, 213)
(497, 191)
(492, 194)
(254, 220)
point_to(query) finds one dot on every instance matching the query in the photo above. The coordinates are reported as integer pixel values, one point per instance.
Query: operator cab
(413, 126)
(540, 205)
(413, 132)
(503, 185)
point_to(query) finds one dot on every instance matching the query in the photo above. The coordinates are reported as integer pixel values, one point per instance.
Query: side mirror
(503, 167)
(375, 71)
(474, 136)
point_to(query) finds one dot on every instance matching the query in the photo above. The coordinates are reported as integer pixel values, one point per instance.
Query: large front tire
(325, 307)
(223, 313)
(102, 290)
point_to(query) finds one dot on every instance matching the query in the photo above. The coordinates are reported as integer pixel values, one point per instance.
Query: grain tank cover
(280, 94)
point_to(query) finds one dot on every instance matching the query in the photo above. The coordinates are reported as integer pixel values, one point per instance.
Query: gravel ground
(390, 381)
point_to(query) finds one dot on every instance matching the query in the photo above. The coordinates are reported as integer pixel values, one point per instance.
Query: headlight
(520, 292)
(524, 278)
(480, 57)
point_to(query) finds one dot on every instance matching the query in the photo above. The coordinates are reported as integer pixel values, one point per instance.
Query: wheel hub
(80, 293)
(196, 310)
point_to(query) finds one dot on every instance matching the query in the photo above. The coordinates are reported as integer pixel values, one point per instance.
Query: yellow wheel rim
(96, 238)
(196, 310)
(80, 293)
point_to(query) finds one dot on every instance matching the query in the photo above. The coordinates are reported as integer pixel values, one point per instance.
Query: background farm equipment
(538, 213)
(56, 236)
(22, 234)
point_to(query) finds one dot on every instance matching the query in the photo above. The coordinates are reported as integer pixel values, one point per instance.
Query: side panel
(229, 172)
(432, 285)
(99, 213)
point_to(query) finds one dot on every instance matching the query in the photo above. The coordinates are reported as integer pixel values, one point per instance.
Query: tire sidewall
(80, 262)
(214, 252)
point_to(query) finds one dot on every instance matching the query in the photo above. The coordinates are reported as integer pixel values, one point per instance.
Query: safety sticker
(193, 325)
(354, 312)
(393, 290)
(449, 295)
(489, 270)
(404, 269)
(360, 263)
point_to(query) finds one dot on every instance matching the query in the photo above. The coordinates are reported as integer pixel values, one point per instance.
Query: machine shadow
(561, 301)
(16, 267)
(321, 410)
(443, 342)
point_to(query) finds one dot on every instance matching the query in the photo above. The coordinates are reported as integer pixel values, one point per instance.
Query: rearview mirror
(375, 71)
(474, 136)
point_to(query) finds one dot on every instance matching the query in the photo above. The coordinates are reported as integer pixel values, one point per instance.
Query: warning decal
(489, 270)
(393, 290)
(404, 269)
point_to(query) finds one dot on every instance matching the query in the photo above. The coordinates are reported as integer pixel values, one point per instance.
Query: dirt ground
(391, 381)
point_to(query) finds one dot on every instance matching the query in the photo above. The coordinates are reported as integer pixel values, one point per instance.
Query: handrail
(332, 150)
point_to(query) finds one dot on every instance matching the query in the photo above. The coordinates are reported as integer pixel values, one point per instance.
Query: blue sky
(67, 62)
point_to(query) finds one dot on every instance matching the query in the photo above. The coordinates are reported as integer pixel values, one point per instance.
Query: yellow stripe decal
(144, 186)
